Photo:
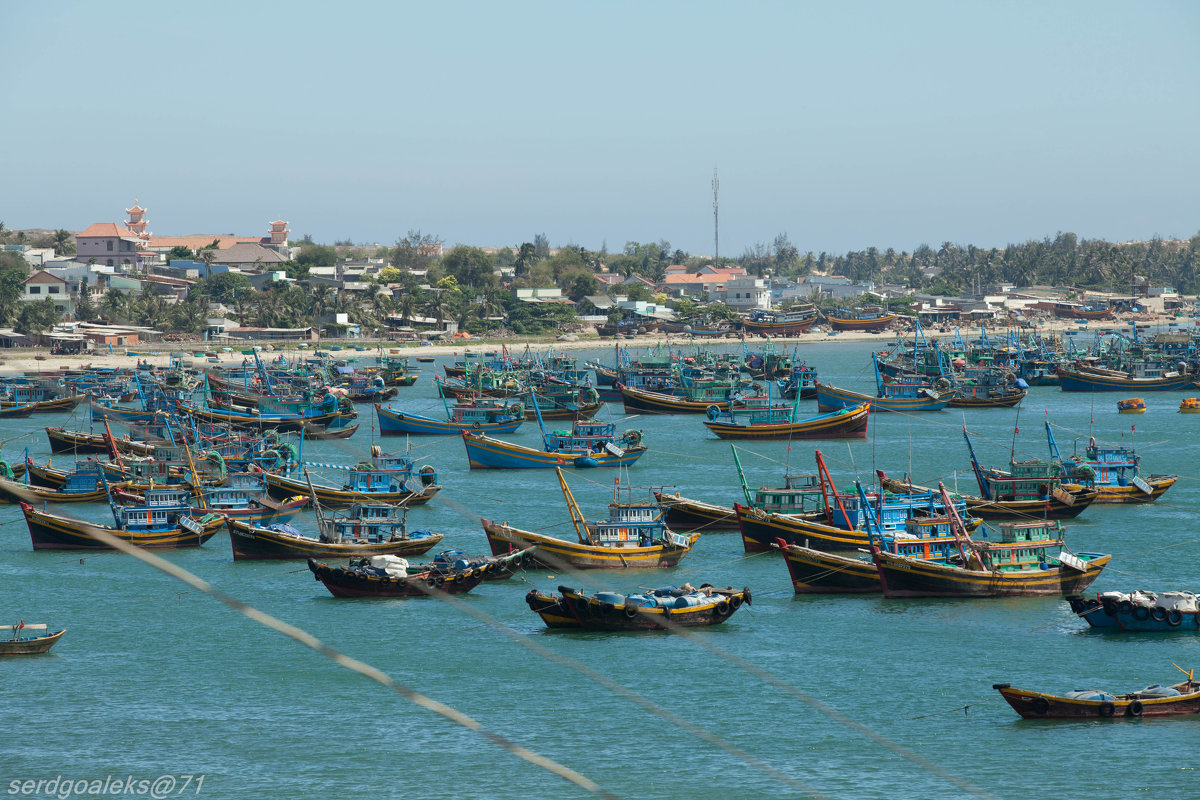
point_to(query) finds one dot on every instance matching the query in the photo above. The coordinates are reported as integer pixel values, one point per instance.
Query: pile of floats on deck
(223, 447)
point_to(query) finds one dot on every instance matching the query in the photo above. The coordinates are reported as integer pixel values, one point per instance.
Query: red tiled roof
(107, 229)
(41, 276)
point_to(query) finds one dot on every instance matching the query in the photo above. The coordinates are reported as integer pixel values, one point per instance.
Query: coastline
(24, 360)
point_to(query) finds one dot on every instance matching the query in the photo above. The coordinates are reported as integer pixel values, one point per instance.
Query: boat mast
(827, 487)
(984, 489)
(961, 538)
(573, 508)
(742, 476)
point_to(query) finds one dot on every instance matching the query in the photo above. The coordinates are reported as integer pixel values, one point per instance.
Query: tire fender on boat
(1135, 708)
(631, 612)
(722, 607)
(1107, 709)
(1041, 705)
(1174, 617)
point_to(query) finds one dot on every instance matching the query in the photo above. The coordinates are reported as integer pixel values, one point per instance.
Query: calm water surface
(153, 679)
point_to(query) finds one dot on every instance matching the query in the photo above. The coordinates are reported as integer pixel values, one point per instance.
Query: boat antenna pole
(956, 524)
(316, 503)
(573, 508)
(1012, 453)
(742, 476)
(194, 475)
(828, 488)
(984, 490)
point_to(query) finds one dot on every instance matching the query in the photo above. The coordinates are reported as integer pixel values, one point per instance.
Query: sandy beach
(22, 360)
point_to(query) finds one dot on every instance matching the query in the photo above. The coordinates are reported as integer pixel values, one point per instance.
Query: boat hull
(344, 582)
(399, 423)
(282, 487)
(484, 452)
(30, 647)
(572, 610)
(1131, 618)
(53, 532)
(558, 553)
(831, 398)
(1049, 508)
(850, 423)
(779, 328)
(908, 577)
(685, 514)
(644, 402)
(255, 542)
(1038, 705)
(869, 324)
(1077, 381)
(816, 572)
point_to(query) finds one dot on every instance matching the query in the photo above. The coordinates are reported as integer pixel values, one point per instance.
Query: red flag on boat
(22, 624)
(617, 481)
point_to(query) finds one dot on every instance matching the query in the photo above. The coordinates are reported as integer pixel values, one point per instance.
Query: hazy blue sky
(843, 124)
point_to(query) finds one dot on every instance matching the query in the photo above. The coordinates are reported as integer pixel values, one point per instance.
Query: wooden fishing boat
(588, 444)
(769, 322)
(67, 441)
(900, 398)
(325, 432)
(25, 639)
(368, 529)
(77, 489)
(800, 494)
(1029, 558)
(1089, 379)
(492, 417)
(1139, 611)
(254, 419)
(867, 320)
(104, 411)
(144, 527)
(757, 423)
(393, 576)
(1153, 701)
(658, 609)
(1114, 471)
(47, 406)
(1015, 499)
(644, 401)
(12, 412)
(633, 537)
(984, 396)
(381, 486)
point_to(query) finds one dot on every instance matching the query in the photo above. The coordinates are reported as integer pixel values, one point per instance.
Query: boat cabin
(1025, 545)
(800, 494)
(1027, 480)
(84, 478)
(367, 523)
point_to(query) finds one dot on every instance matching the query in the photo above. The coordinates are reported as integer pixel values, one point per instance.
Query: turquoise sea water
(153, 679)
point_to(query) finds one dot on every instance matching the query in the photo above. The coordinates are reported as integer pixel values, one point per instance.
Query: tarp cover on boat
(393, 566)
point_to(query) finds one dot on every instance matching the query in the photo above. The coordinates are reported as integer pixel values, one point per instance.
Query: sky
(843, 125)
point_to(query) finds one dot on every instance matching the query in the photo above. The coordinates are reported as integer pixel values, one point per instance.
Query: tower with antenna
(716, 221)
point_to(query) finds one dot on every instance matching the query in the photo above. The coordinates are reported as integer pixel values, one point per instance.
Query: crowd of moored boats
(179, 453)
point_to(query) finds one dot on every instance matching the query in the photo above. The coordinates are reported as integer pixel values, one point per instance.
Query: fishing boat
(902, 393)
(492, 416)
(818, 571)
(27, 639)
(16, 411)
(161, 522)
(646, 610)
(633, 537)
(393, 576)
(1081, 378)
(754, 421)
(1153, 701)
(697, 399)
(245, 499)
(391, 479)
(366, 529)
(800, 494)
(1139, 611)
(1026, 558)
(870, 318)
(329, 432)
(1132, 405)
(587, 444)
(46, 406)
(82, 485)
(769, 322)
(1114, 471)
